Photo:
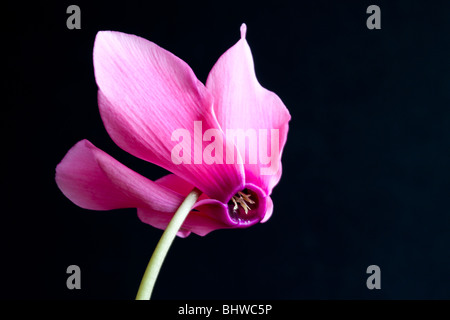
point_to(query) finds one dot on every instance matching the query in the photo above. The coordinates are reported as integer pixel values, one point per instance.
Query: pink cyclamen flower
(145, 95)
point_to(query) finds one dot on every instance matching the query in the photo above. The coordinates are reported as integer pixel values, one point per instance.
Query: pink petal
(240, 102)
(94, 180)
(200, 222)
(269, 210)
(158, 220)
(178, 185)
(207, 214)
(145, 94)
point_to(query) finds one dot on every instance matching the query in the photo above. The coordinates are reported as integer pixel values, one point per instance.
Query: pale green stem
(157, 259)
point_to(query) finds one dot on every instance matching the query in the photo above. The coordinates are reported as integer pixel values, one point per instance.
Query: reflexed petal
(179, 185)
(145, 94)
(207, 214)
(159, 220)
(240, 102)
(205, 217)
(94, 180)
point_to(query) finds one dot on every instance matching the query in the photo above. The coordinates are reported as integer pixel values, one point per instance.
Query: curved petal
(178, 185)
(201, 221)
(158, 220)
(151, 104)
(241, 103)
(207, 214)
(94, 180)
(269, 210)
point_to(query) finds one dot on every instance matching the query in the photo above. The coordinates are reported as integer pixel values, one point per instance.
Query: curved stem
(157, 259)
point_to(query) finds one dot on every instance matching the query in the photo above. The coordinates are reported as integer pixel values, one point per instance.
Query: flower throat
(242, 206)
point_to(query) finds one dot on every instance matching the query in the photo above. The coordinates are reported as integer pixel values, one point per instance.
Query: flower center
(242, 199)
(243, 205)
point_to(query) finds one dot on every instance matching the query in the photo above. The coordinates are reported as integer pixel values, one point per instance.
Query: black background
(366, 176)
